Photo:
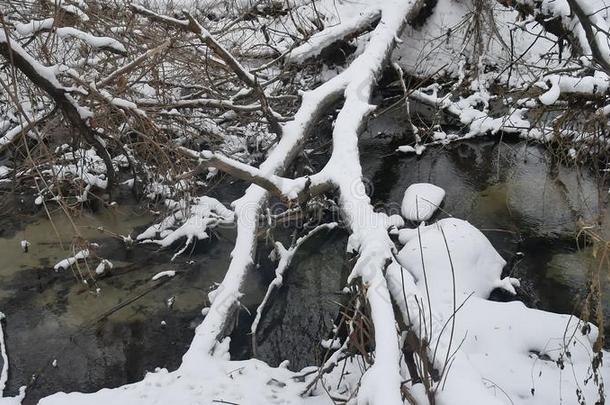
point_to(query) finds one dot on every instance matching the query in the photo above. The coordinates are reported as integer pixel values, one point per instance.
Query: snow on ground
(421, 200)
(216, 380)
(516, 350)
(476, 264)
(512, 350)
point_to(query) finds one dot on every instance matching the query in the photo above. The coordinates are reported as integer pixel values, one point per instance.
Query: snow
(70, 8)
(161, 274)
(321, 40)
(445, 42)
(562, 84)
(596, 12)
(4, 371)
(14, 400)
(5, 364)
(479, 121)
(190, 221)
(11, 135)
(330, 344)
(91, 40)
(421, 201)
(34, 26)
(217, 380)
(68, 262)
(103, 266)
(476, 264)
(457, 257)
(406, 149)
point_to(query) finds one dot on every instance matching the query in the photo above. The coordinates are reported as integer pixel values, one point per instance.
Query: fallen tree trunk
(382, 382)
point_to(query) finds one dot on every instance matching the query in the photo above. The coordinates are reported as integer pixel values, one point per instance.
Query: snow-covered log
(322, 40)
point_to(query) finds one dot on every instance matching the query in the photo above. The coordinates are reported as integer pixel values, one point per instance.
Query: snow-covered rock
(421, 200)
(517, 353)
(453, 246)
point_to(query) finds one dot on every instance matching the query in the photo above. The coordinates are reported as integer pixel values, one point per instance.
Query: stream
(63, 336)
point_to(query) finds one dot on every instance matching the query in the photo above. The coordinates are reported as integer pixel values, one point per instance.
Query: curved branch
(300, 189)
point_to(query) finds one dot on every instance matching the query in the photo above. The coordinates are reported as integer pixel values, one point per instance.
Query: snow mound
(421, 201)
(453, 245)
(216, 381)
(520, 355)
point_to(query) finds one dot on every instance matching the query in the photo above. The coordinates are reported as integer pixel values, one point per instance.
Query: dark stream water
(518, 194)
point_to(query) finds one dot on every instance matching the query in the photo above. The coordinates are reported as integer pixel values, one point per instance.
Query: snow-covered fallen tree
(143, 113)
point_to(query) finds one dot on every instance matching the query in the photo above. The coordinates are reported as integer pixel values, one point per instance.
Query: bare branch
(134, 63)
(204, 36)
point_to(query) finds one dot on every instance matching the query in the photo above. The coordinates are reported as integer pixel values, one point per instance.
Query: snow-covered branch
(45, 78)
(320, 41)
(596, 28)
(11, 136)
(192, 222)
(208, 102)
(284, 257)
(106, 43)
(298, 189)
